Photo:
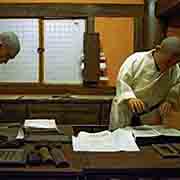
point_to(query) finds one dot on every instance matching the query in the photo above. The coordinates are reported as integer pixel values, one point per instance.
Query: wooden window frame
(67, 10)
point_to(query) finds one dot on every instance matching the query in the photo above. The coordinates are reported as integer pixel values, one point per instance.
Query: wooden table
(66, 109)
(145, 163)
(92, 166)
(47, 171)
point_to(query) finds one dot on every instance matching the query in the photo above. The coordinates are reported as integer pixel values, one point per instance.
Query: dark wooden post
(91, 58)
(153, 27)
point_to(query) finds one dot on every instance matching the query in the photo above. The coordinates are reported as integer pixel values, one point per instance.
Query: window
(24, 68)
(63, 49)
(63, 43)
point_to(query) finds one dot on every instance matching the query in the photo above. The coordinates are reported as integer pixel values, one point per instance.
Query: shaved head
(171, 45)
(167, 54)
(11, 40)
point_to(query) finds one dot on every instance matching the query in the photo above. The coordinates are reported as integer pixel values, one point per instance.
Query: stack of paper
(153, 131)
(38, 130)
(154, 134)
(40, 123)
(105, 141)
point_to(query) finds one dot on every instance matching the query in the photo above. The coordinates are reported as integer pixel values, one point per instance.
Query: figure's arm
(124, 88)
(172, 99)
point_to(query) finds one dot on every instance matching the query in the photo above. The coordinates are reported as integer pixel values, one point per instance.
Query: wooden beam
(41, 51)
(36, 88)
(63, 10)
(138, 34)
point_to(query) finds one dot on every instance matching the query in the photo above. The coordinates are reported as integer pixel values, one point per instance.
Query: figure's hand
(165, 108)
(136, 105)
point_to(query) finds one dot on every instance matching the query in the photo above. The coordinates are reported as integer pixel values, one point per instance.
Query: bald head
(167, 54)
(171, 45)
(11, 41)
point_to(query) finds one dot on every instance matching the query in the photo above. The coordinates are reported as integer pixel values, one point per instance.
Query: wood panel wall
(116, 37)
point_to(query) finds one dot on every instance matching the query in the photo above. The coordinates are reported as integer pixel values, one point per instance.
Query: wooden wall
(168, 12)
(173, 31)
(173, 28)
(116, 36)
(117, 33)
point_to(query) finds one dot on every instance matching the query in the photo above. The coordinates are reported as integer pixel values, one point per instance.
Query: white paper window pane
(24, 67)
(63, 49)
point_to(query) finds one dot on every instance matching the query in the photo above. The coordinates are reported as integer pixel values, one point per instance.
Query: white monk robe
(139, 78)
